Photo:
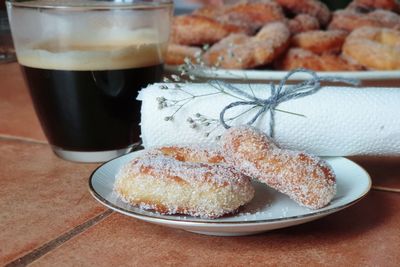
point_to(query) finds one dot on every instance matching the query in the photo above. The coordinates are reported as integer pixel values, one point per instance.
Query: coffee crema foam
(133, 49)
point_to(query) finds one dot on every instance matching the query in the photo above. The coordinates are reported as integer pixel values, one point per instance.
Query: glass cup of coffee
(84, 62)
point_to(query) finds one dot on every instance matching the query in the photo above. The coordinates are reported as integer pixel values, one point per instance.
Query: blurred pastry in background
(311, 7)
(320, 41)
(177, 54)
(349, 20)
(301, 58)
(240, 51)
(198, 30)
(374, 48)
(369, 5)
(303, 23)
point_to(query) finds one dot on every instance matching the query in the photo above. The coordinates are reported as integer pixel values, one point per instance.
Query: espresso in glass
(88, 109)
(84, 74)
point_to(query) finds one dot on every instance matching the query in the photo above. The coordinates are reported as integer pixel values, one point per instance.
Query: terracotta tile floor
(48, 218)
(42, 197)
(17, 117)
(351, 237)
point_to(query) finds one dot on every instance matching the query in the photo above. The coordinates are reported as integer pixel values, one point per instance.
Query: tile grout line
(24, 139)
(53, 244)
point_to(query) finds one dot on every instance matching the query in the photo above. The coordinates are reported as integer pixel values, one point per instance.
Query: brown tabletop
(48, 218)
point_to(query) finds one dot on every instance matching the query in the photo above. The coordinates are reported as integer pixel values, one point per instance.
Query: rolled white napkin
(335, 121)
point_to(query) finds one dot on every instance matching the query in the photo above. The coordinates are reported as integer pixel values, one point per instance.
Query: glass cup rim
(89, 5)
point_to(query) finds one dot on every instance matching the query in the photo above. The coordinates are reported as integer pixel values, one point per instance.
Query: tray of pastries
(263, 39)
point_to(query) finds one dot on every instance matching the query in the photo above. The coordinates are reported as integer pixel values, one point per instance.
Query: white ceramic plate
(368, 78)
(267, 211)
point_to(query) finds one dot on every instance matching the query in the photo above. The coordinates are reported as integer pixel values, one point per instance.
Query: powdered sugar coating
(306, 179)
(168, 185)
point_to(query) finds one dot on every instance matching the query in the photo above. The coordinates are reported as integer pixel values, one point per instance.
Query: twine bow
(279, 94)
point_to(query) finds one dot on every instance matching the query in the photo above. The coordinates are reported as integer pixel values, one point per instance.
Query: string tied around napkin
(279, 94)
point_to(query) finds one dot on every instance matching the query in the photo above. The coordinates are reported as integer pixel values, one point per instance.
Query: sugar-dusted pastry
(184, 180)
(306, 179)
(303, 23)
(349, 20)
(251, 15)
(311, 7)
(319, 41)
(176, 54)
(374, 48)
(239, 51)
(256, 13)
(199, 30)
(301, 58)
(368, 5)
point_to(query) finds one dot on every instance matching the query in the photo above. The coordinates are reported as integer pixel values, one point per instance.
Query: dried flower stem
(186, 75)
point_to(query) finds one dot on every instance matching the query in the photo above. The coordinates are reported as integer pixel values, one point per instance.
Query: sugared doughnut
(303, 23)
(176, 54)
(199, 30)
(227, 53)
(256, 14)
(217, 13)
(251, 15)
(176, 180)
(311, 7)
(349, 20)
(368, 5)
(374, 48)
(301, 58)
(239, 51)
(320, 41)
(306, 179)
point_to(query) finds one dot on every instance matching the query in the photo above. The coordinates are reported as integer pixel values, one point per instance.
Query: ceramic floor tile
(384, 171)
(17, 117)
(41, 197)
(365, 234)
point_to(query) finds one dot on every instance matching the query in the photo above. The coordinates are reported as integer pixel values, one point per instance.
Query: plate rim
(168, 221)
(277, 75)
